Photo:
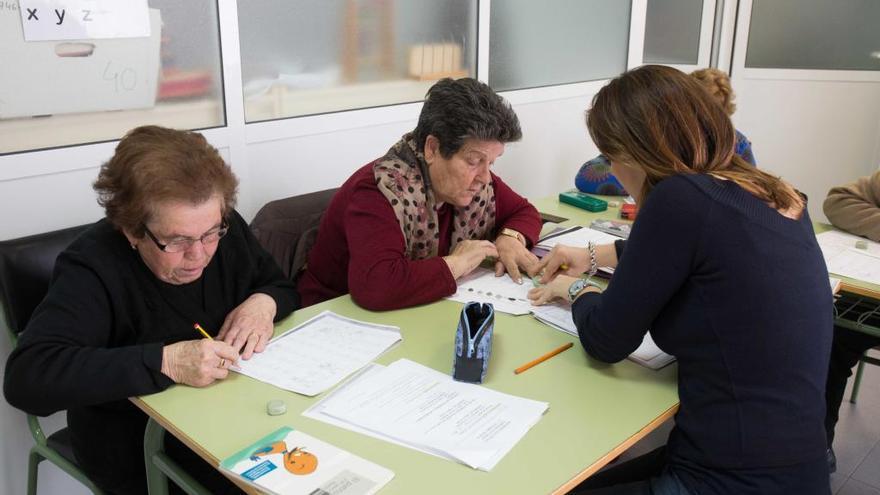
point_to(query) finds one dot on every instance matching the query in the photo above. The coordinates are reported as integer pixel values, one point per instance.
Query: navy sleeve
(659, 257)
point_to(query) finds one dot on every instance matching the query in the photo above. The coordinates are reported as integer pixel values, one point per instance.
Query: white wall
(815, 134)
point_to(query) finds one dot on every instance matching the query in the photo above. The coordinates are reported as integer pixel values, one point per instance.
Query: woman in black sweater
(118, 318)
(724, 269)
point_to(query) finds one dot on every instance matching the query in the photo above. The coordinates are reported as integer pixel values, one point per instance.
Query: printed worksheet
(426, 409)
(318, 354)
(843, 257)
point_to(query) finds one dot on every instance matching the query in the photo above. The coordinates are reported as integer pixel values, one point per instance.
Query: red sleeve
(380, 276)
(515, 212)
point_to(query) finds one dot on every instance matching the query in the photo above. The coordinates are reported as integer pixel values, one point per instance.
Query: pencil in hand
(202, 331)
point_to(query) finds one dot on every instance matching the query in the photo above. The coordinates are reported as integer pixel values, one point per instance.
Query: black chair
(287, 228)
(25, 271)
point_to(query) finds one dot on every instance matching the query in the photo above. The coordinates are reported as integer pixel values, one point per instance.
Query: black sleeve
(64, 359)
(619, 246)
(268, 277)
(658, 259)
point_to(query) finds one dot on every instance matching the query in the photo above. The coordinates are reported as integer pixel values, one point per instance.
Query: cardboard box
(53, 77)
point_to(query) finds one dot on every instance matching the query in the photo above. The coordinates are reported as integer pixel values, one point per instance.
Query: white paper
(341, 394)
(50, 20)
(427, 409)
(318, 354)
(576, 236)
(506, 296)
(649, 355)
(557, 315)
(844, 259)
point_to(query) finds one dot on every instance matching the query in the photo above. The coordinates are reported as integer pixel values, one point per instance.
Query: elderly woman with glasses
(119, 317)
(405, 227)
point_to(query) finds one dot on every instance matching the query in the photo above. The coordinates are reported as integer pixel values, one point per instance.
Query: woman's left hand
(249, 327)
(513, 255)
(556, 288)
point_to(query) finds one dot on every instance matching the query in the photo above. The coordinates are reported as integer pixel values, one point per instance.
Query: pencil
(543, 358)
(202, 331)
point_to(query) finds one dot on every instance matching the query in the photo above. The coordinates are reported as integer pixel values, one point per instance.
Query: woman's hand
(198, 363)
(569, 260)
(468, 255)
(249, 327)
(556, 289)
(512, 255)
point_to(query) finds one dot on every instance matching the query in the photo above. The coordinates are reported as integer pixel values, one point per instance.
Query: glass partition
(317, 56)
(85, 91)
(814, 34)
(534, 44)
(672, 32)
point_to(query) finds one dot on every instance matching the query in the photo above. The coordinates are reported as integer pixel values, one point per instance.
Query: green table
(596, 410)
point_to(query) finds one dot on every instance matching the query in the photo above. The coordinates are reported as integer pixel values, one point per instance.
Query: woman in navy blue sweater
(723, 267)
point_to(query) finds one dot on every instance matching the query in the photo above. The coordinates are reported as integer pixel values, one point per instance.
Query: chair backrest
(287, 228)
(26, 266)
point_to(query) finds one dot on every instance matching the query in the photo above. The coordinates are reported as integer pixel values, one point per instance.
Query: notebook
(288, 461)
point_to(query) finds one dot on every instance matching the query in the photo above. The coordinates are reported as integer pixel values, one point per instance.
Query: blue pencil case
(473, 342)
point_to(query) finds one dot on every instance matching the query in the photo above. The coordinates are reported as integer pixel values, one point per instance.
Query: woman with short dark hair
(118, 320)
(405, 227)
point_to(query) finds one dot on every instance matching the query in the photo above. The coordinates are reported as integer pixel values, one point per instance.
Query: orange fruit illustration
(299, 461)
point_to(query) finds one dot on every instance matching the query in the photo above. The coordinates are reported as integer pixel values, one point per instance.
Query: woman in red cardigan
(403, 228)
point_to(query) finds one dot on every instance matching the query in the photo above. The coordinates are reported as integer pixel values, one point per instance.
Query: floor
(857, 439)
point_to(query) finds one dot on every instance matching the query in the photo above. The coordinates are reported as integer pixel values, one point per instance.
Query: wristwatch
(512, 233)
(579, 285)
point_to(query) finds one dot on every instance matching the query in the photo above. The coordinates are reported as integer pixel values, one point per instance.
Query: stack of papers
(843, 257)
(420, 408)
(318, 354)
(576, 236)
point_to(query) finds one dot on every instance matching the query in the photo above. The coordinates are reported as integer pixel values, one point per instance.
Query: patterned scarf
(402, 176)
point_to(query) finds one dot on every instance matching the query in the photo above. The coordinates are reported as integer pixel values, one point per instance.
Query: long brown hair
(663, 121)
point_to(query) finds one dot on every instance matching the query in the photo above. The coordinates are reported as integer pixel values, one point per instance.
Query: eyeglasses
(181, 244)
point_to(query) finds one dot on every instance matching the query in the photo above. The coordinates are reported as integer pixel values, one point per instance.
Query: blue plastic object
(473, 342)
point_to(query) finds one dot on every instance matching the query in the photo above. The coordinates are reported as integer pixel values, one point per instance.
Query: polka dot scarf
(402, 177)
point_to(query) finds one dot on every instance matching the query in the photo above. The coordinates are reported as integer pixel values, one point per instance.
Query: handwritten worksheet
(318, 354)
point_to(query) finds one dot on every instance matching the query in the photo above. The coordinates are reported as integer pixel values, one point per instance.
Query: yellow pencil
(202, 331)
(543, 358)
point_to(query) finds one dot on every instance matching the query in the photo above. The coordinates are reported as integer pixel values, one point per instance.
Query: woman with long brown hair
(723, 267)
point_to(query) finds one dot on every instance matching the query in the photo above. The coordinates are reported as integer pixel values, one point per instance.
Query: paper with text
(843, 258)
(427, 409)
(318, 354)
